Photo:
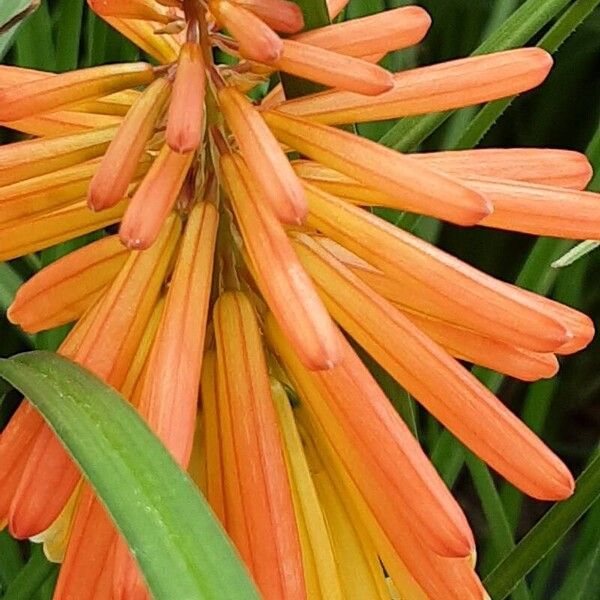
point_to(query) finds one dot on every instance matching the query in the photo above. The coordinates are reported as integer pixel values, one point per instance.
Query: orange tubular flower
(222, 238)
(258, 503)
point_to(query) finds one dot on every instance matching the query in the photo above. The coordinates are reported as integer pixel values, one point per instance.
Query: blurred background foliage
(564, 113)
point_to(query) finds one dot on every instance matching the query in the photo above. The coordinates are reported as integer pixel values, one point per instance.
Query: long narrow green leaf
(29, 580)
(523, 24)
(11, 561)
(546, 534)
(551, 42)
(11, 15)
(177, 542)
(500, 532)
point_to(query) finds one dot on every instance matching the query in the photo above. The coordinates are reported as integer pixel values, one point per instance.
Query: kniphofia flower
(235, 272)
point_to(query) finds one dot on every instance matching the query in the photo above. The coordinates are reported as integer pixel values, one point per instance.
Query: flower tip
(182, 144)
(133, 243)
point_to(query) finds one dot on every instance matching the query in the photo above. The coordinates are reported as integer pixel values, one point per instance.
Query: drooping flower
(222, 239)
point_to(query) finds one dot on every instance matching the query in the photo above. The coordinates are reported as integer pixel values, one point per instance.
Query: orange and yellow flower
(236, 272)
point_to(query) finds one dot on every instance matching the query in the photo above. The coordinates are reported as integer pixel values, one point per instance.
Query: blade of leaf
(177, 542)
(10, 22)
(546, 534)
(523, 24)
(491, 112)
(33, 575)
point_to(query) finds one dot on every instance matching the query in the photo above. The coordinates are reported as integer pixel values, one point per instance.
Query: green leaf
(546, 534)
(29, 580)
(551, 42)
(516, 31)
(12, 14)
(177, 542)
(573, 255)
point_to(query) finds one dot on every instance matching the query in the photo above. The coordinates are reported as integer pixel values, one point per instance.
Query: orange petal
(562, 168)
(415, 187)
(164, 47)
(24, 427)
(154, 199)
(270, 167)
(215, 492)
(280, 15)
(386, 462)
(36, 157)
(108, 350)
(86, 570)
(375, 34)
(128, 583)
(120, 162)
(32, 197)
(433, 282)
(332, 69)
(542, 166)
(285, 285)
(146, 10)
(260, 514)
(186, 112)
(48, 229)
(347, 529)
(541, 209)
(52, 93)
(450, 392)
(416, 570)
(61, 292)
(256, 40)
(170, 391)
(445, 86)
(487, 352)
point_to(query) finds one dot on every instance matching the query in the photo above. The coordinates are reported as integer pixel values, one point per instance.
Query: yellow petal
(360, 571)
(320, 565)
(48, 229)
(36, 157)
(53, 93)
